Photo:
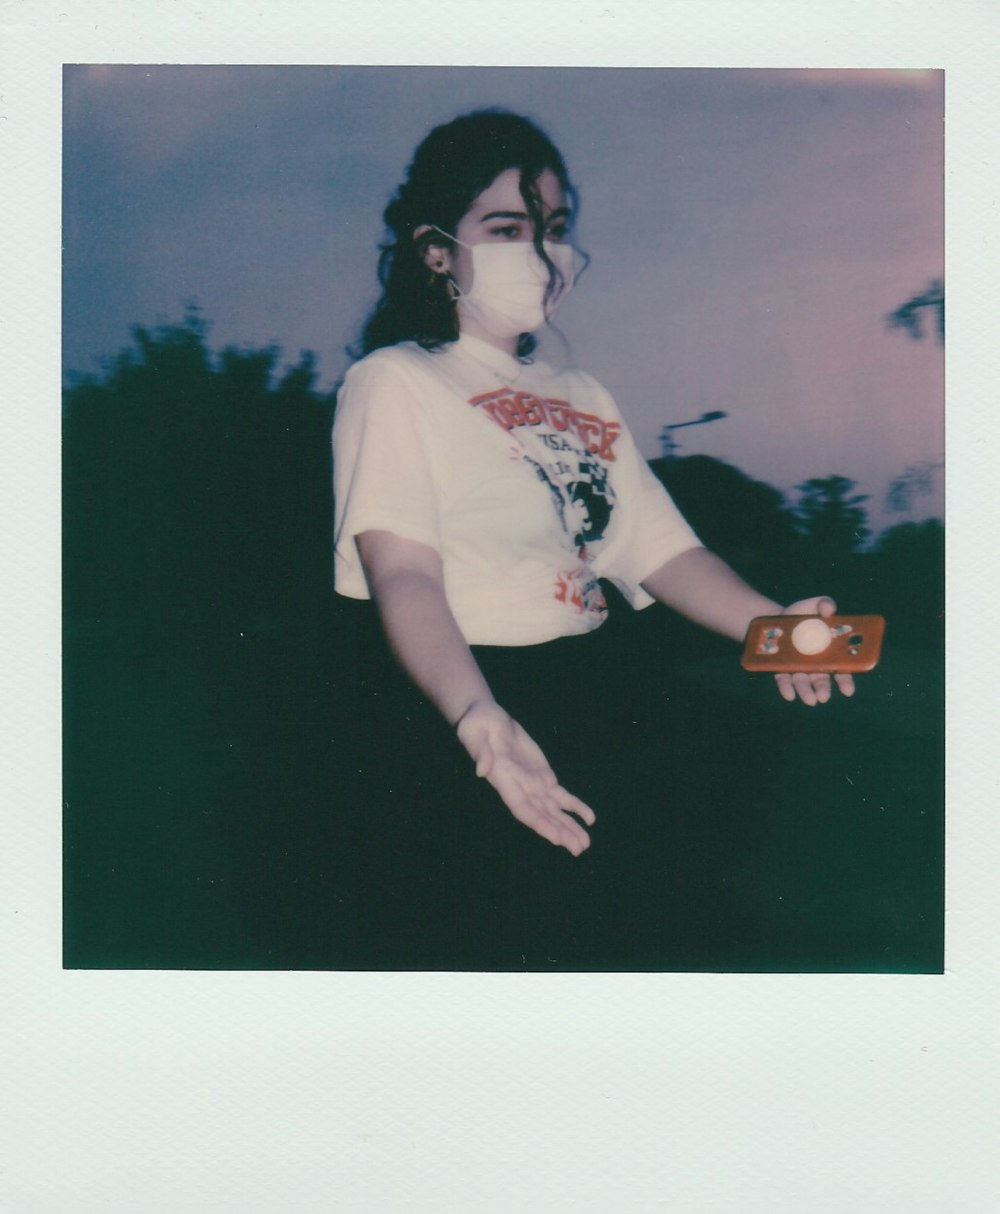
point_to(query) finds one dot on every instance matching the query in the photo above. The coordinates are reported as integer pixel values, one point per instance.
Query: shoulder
(391, 388)
(386, 363)
(389, 374)
(404, 363)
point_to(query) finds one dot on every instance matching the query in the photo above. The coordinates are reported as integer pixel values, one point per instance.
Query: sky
(749, 230)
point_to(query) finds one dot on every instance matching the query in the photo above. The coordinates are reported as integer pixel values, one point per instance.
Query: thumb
(484, 760)
(820, 604)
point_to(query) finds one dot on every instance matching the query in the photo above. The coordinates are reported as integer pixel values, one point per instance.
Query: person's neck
(507, 344)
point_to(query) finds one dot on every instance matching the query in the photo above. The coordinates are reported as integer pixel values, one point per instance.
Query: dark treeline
(197, 490)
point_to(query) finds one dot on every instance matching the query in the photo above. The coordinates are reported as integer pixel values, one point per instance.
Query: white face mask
(509, 281)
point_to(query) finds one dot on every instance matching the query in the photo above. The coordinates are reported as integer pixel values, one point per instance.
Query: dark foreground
(218, 816)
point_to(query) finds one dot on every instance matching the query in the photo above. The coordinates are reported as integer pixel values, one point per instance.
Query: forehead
(504, 194)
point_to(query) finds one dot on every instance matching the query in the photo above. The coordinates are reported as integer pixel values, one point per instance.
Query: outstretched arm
(701, 586)
(407, 583)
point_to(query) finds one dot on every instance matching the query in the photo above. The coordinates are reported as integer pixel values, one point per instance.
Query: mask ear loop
(448, 236)
(454, 291)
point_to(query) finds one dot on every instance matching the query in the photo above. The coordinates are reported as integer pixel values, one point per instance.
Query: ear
(434, 252)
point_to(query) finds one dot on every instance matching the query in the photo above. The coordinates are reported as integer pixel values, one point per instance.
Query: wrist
(455, 720)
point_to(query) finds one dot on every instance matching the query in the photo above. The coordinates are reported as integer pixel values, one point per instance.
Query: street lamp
(669, 445)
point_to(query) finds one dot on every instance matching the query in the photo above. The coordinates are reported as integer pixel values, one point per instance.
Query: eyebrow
(559, 213)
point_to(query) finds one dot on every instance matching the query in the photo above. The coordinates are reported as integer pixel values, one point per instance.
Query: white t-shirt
(525, 480)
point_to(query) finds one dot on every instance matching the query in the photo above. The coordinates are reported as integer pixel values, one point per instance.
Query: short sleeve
(381, 466)
(650, 530)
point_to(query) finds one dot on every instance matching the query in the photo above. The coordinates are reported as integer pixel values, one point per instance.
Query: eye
(558, 231)
(509, 231)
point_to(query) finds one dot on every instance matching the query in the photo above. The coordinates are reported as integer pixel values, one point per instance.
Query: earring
(435, 291)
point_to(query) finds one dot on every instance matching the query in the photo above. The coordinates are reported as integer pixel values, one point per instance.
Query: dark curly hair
(450, 168)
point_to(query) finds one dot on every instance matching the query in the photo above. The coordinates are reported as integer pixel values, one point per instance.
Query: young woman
(482, 496)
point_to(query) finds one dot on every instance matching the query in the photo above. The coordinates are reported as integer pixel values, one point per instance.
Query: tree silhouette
(919, 478)
(196, 488)
(916, 480)
(831, 516)
(909, 316)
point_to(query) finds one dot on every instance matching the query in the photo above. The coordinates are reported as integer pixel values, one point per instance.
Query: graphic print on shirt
(575, 476)
(584, 514)
(510, 410)
(583, 504)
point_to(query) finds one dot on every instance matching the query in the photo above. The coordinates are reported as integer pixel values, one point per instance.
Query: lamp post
(669, 445)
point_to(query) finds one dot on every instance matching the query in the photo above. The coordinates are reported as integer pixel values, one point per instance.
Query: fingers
(545, 818)
(785, 688)
(572, 836)
(565, 830)
(575, 805)
(804, 689)
(812, 689)
(845, 684)
(546, 808)
(552, 831)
